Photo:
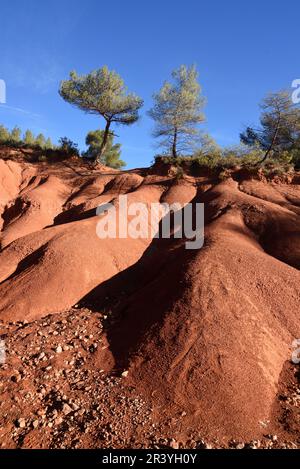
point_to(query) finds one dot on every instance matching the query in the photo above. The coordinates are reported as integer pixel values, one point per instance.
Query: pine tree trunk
(174, 145)
(273, 141)
(104, 142)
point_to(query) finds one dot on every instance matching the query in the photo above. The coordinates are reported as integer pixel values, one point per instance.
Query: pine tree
(4, 134)
(29, 138)
(49, 144)
(280, 126)
(177, 111)
(102, 92)
(15, 135)
(111, 156)
(40, 141)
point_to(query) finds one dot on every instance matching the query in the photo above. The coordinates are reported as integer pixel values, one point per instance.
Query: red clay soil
(141, 342)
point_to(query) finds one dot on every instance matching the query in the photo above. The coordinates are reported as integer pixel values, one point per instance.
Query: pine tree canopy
(177, 110)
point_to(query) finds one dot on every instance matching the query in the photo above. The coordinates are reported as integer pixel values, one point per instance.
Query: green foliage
(229, 157)
(250, 157)
(102, 92)
(177, 111)
(208, 153)
(40, 141)
(219, 158)
(14, 139)
(111, 156)
(207, 145)
(29, 138)
(276, 167)
(179, 173)
(68, 147)
(224, 161)
(48, 144)
(4, 134)
(240, 155)
(206, 161)
(42, 158)
(224, 174)
(15, 135)
(294, 156)
(280, 126)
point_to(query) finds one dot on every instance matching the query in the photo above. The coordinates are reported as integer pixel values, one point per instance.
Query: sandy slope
(206, 333)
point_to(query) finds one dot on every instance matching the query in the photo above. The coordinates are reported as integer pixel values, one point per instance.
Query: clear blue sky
(242, 51)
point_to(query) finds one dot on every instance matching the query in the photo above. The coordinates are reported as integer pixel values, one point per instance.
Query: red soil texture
(200, 339)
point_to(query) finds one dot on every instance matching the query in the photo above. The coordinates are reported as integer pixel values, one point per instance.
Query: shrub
(224, 174)
(207, 161)
(179, 173)
(276, 167)
(68, 146)
(295, 158)
(42, 158)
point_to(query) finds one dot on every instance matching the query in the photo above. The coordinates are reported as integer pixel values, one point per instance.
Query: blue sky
(242, 50)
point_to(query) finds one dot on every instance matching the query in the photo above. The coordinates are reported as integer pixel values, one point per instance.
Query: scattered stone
(204, 445)
(254, 444)
(174, 444)
(240, 446)
(66, 409)
(21, 423)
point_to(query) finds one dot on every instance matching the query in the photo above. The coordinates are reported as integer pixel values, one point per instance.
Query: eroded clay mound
(202, 332)
(214, 337)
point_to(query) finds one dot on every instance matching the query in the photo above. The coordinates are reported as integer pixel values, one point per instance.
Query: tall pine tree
(177, 111)
(102, 92)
